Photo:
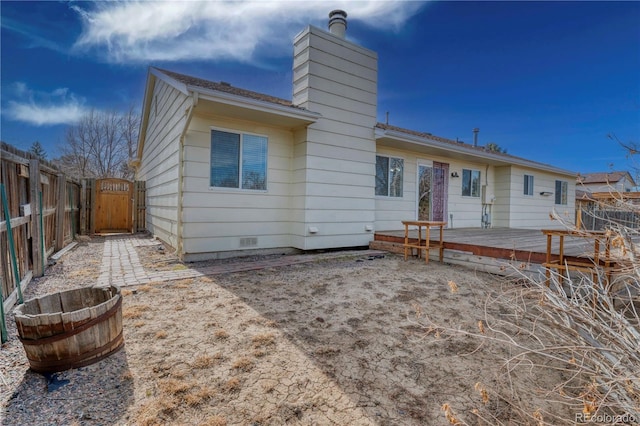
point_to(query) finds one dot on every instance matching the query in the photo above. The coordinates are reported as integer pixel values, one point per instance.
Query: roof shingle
(438, 138)
(226, 88)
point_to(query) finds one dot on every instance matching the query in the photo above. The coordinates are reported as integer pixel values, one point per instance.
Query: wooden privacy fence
(113, 205)
(597, 217)
(42, 211)
(39, 215)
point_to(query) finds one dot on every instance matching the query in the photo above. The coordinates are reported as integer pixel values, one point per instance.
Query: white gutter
(472, 152)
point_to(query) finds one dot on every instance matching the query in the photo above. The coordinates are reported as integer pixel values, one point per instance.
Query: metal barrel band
(78, 361)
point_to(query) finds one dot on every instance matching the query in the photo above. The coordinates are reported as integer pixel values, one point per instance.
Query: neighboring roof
(195, 82)
(583, 195)
(605, 177)
(428, 139)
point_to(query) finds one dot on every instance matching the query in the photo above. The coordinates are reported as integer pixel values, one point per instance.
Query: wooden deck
(494, 248)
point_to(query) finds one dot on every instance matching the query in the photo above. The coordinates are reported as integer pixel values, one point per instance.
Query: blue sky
(548, 81)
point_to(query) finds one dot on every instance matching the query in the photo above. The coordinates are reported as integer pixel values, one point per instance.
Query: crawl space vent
(248, 242)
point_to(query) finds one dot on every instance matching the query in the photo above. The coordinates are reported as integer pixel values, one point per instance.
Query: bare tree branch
(101, 145)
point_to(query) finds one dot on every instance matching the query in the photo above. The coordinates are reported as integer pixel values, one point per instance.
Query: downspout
(485, 220)
(189, 114)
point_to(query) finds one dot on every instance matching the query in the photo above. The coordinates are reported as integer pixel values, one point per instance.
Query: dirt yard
(341, 341)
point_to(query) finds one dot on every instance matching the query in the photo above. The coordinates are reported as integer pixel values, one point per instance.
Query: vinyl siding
(215, 219)
(334, 163)
(466, 211)
(159, 164)
(501, 206)
(532, 212)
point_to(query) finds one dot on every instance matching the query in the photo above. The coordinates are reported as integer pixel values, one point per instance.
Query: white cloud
(44, 108)
(140, 31)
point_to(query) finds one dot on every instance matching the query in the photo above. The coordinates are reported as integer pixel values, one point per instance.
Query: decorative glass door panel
(440, 191)
(425, 178)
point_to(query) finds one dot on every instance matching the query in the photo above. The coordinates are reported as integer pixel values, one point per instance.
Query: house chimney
(338, 23)
(475, 136)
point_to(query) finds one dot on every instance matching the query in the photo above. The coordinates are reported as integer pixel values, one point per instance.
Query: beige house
(229, 171)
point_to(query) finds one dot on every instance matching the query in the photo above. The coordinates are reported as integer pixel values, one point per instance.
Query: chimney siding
(334, 160)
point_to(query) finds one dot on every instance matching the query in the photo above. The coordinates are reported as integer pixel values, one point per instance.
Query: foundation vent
(248, 242)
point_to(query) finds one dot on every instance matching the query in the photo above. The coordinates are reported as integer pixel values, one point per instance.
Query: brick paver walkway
(121, 265)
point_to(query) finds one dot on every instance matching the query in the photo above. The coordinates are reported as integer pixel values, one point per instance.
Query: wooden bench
(423, 244)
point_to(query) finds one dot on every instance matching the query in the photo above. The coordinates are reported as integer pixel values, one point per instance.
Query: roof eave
(255, 104)
(470, 151)
(146, 100)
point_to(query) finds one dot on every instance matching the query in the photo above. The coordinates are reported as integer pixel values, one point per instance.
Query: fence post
(92, 207)
(36, 214)
(60, 211)
(83, 207)
(4, 336)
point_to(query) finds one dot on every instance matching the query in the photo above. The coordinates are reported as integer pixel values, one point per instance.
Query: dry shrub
(264, 339)
(153, 413)
(198, 396)
(180, 308)
(174, 387)
(204, 361)
(139, 324)
(232, 385)
(262, 321)
(221, 334)
(243, 364)
(180, 371)
(575, 341)
(214, 421)
(134, 311)
(82, 273)
(127, 376)
(146, 288)
(185, 283)
(327, 351)
(269, 386)
(259, 353)
(161, 334)
(126, 293)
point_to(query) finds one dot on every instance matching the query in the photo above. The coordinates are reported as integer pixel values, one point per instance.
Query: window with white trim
(528, 184)
(238, 160)
(389, 171)
(561, 192)
(470, 183)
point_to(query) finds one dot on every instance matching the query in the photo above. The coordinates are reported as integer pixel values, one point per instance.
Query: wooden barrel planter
(70, 329)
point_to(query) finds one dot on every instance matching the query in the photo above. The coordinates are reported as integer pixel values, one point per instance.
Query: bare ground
(331, 342)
